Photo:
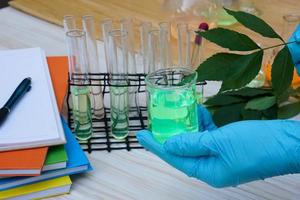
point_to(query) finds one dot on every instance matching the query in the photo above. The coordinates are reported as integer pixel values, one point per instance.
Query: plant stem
(278, 45)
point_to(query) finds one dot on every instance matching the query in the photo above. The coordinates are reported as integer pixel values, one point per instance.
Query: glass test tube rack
(102, 139)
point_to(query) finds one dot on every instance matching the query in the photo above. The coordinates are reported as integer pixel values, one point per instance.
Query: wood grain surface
(137, 174)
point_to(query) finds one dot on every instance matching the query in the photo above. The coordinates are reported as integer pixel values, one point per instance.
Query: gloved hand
(233, 154)
(295, 48)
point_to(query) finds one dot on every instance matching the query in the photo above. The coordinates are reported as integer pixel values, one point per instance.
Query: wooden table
(136, 174)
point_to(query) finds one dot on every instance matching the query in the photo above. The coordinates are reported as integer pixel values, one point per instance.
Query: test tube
(93, 67)
(198, 45)
(184, 45)
(69, 22)
(144, 30)
(127, 26)
(154, 51)
(80, 91)
(118, 71)
(197, 55)
(106, 27)
(165, 44)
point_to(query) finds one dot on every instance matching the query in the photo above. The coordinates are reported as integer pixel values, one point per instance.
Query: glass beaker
(172, 102)
(80, 91)
(192, 12)
(223, 18)
(118, 81)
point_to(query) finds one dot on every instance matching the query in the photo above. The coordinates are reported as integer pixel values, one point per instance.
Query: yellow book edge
(36, 187)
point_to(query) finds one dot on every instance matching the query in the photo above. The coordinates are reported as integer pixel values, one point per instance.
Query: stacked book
(38, 152)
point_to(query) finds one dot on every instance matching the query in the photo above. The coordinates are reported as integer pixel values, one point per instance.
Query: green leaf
(249, 92)
(243, 71)
(251, 114)
(283, 97)
(271, 113)
(221, 100)
(217, 67)
(212, 109)
(282, 71)
(261, 103)
(254, 23)
(294, 92)
(289, 110)
(232, 40)
(228, 114)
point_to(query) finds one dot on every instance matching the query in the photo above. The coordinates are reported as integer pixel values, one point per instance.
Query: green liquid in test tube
(119, 112)
(82, 112)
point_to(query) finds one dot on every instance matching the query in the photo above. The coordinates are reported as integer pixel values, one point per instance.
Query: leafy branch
(237, 70)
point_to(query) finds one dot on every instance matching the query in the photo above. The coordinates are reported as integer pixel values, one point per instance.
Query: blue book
(77, 163)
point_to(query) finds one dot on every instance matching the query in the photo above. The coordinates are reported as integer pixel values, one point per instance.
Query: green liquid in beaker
(82, 112)
(119, 112)
(172, 112)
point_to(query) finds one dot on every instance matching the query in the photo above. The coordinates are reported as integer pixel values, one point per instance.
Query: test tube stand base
(102, 140)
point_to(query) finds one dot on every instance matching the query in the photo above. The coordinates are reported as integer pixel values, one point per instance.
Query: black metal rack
(101, 139)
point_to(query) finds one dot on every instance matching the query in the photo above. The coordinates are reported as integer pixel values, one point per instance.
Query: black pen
(19, 92)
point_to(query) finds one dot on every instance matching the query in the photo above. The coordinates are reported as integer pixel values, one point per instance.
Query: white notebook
(35, 119)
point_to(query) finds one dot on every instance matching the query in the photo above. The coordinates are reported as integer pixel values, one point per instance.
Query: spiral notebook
(35, 120)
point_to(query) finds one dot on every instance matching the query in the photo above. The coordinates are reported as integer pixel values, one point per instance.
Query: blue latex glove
(295, 48)
(233, 154)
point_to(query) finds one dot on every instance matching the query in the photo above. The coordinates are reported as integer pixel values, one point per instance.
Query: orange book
(58, 67)
(29, 162)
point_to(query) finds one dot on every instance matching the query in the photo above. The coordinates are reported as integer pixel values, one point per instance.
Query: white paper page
(34, 121)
